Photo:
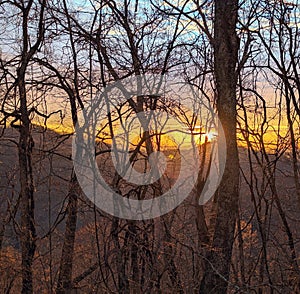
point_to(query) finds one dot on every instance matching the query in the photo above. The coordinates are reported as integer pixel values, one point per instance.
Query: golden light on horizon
(198, 134)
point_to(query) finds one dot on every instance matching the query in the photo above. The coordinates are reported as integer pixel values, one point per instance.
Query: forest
(149, 146)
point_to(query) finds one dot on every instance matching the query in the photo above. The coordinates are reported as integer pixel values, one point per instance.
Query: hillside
(260, 218)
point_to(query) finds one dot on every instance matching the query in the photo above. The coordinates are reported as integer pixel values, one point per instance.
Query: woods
(190, 71)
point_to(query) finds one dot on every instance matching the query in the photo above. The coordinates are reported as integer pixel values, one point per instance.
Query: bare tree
(226, 46)
(22, 116)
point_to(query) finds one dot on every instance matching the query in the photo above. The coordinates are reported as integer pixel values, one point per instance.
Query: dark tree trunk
(64, 284)
(27, 229)
(226, 44)
(28, 232)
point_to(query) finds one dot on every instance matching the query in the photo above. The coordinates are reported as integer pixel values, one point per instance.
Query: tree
(25, 144)
(226, 46)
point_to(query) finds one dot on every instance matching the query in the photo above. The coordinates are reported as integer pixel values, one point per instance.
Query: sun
(202, 136)
(211, 136)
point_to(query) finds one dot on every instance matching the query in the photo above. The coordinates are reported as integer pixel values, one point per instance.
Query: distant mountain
(52, 166)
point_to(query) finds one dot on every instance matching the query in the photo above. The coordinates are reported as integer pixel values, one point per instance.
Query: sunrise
(149, 146)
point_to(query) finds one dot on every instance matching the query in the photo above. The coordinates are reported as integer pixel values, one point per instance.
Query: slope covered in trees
(241, 61)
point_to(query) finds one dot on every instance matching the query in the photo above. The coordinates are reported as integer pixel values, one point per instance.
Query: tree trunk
(64, 284)
(28, 232)
(226, 44)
